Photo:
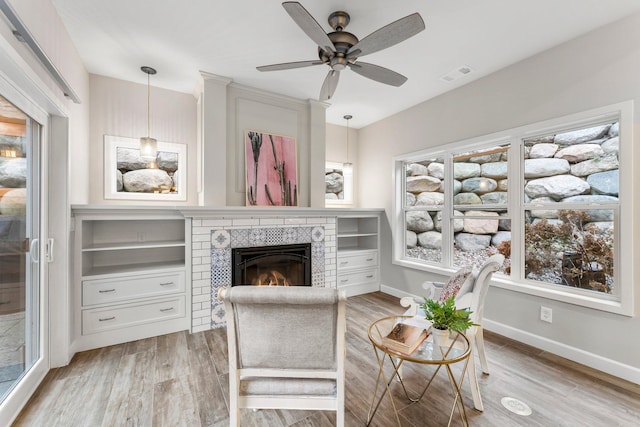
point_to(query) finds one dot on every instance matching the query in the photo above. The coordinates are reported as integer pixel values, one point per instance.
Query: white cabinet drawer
(101, 291)
(364, 276)
(357, 260)
(103, 319)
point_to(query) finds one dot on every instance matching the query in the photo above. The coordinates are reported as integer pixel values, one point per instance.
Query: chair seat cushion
(287, 386)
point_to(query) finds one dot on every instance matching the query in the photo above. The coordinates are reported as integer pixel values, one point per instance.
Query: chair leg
(234, 405)
(340, 417)
(234, 417)
(483, 356)
(473, 378)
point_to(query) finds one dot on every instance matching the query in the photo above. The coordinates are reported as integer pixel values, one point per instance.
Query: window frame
(623, 301)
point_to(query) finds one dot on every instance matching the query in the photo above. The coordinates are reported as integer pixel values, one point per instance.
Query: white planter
(441, 338)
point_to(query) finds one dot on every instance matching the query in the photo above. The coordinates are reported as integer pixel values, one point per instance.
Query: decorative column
(317, 151)
(212, 141)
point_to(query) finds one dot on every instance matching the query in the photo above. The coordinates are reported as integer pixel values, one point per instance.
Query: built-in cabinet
(358, 253)
(130, 275)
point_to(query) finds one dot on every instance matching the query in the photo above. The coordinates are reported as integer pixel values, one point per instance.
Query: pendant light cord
(347, 118)
(148, 105)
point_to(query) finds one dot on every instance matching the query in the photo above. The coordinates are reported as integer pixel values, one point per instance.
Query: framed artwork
(127, 176)
(271, 169)
(338, 179)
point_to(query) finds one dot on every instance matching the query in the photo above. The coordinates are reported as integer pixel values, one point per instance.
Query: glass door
(20, 302)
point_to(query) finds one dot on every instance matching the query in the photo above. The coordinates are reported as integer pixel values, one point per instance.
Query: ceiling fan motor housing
(342, 41)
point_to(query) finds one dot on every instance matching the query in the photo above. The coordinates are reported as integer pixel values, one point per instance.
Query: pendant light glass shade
(148, 145)
(148, 149)
(348, 166)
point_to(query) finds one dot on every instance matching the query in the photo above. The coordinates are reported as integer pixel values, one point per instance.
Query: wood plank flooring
(181, 380)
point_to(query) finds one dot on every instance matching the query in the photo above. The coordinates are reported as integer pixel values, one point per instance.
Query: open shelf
(112, 270)
(133, 245)
(357, 233)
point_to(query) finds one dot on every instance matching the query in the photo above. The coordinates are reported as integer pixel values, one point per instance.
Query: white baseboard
(609, 366)
(396, 292)
(359, 289)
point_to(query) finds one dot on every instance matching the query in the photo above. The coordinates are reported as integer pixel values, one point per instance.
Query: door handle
(48, 250)
(33, 252)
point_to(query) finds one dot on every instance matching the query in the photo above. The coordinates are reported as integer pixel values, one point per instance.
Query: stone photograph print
(128, 176)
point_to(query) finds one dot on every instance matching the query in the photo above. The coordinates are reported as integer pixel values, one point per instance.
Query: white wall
(251, 109)
(595, 70)
(337, 144)
(119, 108)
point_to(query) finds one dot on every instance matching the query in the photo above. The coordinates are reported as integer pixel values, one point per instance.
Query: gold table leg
(456, 387)
(372, 410)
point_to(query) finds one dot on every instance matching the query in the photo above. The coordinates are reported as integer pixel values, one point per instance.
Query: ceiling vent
(456, 73)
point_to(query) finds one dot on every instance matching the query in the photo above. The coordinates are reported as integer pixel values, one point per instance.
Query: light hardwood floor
(181, 380)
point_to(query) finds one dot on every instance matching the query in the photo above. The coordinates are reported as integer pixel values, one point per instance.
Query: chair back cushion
(459, 284)
(285, 327)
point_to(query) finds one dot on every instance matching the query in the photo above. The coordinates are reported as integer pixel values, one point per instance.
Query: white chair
(286, 348)
(474, 301)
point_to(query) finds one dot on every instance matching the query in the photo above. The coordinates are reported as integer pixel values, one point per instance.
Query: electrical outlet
(546, 314)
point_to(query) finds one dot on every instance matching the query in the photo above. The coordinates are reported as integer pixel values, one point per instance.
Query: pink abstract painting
(272, 176)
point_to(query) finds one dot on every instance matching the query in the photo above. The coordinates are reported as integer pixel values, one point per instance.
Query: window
(549, 196)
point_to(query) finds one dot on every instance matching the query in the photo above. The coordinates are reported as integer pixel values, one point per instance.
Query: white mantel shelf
(225, 211)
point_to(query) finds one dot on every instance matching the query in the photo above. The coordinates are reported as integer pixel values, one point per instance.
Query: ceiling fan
(340, 49)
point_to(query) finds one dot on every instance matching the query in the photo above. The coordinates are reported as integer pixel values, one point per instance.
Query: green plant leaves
(445, 315)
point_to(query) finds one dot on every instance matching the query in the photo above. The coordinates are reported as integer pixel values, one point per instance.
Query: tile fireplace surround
(212, 240)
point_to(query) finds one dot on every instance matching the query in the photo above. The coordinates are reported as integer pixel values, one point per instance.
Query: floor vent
(516, 406)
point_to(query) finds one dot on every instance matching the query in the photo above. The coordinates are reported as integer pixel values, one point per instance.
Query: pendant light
(148, 145)
(348, 166)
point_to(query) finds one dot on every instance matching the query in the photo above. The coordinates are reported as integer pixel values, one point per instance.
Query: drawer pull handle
(106, 319)
(344, 280)
(5, 302)
(370, 276)
(105, 291)
(369, 259)
(166, 284)
(344, 263)
(164, 310)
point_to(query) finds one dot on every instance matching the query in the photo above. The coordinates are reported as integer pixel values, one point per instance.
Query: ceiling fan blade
(309, 25)
(379, 74)
(329, 86)
(288, 65)
(390, 35)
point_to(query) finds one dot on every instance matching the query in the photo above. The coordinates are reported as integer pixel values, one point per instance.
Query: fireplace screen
(284, 265)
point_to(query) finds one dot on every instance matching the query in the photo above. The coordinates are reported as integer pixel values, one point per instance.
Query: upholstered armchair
(470, 290)
(286, 348)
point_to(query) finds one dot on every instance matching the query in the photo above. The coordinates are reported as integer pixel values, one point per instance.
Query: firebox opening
(283, 265)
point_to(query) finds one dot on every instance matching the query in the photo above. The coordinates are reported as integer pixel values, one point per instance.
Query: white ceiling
(230, 38)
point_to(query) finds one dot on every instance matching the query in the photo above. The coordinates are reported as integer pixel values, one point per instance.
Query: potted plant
(444, 318)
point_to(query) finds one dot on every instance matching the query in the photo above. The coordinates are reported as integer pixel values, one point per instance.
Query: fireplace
(281, 265)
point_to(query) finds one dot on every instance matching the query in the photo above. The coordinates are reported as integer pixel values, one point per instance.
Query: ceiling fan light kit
(340, 49)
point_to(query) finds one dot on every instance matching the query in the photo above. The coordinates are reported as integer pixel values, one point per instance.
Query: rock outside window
(460, 203)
